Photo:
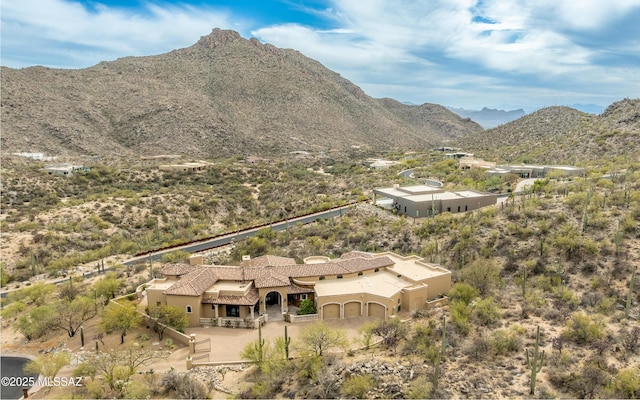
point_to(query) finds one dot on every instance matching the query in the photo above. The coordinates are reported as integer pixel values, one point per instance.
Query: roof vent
(246, 258)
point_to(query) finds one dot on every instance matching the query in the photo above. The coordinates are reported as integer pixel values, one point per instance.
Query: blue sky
(461, 53)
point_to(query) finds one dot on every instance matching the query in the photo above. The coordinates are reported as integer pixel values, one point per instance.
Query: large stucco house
(355, 285)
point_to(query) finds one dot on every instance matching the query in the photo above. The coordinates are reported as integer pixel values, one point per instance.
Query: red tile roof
(268, 261)
(201, 278)
(249, 299)
(176, 269)
(295, 289)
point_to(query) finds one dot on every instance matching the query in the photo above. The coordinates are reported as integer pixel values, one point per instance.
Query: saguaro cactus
(82, 336)
(260, 345)
(444, 335)
(287, 342)
(534, 362)
(627, 309)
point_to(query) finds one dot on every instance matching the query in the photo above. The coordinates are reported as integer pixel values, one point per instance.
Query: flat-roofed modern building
(536, 171)
(185, 167)
(423, 201)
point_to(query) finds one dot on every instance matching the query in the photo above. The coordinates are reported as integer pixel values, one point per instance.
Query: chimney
(245, 260)
(196, 260)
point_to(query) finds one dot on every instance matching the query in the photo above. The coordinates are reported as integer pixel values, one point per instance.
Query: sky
(503, 54)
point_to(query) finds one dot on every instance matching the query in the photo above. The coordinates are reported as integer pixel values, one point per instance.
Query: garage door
(352, 310)
(376, 310)
(331, 311)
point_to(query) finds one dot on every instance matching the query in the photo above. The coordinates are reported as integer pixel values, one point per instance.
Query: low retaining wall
(301, 318)
(437, 302)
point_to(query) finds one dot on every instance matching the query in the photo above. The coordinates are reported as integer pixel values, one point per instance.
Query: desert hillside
(562, 135)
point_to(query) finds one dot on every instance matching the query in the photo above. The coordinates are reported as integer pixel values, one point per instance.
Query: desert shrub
(486, 311)
(581, 328)
(358, 385)
(420, 389)
(477, 347)
(306, 307)
(460, 313)
(627, 383)
(484, 275)
(137, 390)
(504, 341)
(463, 292)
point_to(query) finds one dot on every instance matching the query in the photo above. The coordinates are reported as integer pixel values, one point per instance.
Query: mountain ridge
(562, 135)
(224, 95)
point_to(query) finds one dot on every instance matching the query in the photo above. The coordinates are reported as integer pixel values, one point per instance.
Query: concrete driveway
(227, 343)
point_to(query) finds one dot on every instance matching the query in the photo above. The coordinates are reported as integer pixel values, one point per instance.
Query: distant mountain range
(488, 117)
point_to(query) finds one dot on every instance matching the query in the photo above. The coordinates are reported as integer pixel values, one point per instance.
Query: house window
(158, 303)
(303, 296)
(360, 273)
(465, 208)
(189, 310)
(233, 311)
(339, 276)
(376, 270)
(322, 278)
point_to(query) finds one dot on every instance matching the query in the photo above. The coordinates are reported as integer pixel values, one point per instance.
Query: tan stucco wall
(183, 301)
(414, 298)
(154, 296)
(439, 285)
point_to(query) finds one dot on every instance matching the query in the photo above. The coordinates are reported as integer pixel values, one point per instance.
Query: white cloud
(56, 26)
(444, 51)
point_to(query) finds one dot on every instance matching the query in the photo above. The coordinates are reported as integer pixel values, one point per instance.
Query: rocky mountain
(562, 135)
(489, 117)
(223, 96)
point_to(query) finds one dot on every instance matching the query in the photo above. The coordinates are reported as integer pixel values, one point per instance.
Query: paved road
(524, 183)
(234, 237)
(11, 366)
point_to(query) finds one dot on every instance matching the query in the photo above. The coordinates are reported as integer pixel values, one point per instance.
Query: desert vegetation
(559, 257)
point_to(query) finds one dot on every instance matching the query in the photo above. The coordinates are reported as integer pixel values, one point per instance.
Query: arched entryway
(273, 298)
(273, 305)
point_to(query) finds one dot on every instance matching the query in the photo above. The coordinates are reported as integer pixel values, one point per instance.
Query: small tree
(483, 275)
(318, 338)
(72, 314)
(116, 367)
(107, 287)
(391, 331)
(38, 322)
(38, 293)
(166, 316)
(48, 365)
(120, 318)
